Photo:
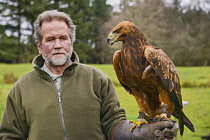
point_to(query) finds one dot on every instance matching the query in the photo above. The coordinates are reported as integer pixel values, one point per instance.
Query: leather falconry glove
(162, 130)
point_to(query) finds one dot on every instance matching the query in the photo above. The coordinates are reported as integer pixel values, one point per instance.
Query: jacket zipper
(62, 116)
(60, 108)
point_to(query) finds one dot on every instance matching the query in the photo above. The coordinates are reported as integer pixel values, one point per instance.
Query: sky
(112, 2)
(115, 3)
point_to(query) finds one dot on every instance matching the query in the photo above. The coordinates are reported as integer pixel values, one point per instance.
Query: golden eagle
(148, 74)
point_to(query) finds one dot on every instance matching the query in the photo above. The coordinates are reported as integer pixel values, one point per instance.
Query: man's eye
(63, 38)
(50, 39)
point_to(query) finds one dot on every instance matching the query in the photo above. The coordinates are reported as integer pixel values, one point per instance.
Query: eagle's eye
(118, 30)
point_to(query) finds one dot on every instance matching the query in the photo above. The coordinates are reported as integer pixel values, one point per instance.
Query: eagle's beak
(109, 40)
(112, 38)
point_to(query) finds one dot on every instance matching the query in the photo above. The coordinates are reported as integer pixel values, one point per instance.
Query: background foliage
(181, 30)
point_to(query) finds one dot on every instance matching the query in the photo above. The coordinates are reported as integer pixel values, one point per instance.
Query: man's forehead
(55, 27)
(54, 24)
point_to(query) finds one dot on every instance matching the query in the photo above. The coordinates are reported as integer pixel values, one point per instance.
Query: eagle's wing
(119, 70)
(165, 69)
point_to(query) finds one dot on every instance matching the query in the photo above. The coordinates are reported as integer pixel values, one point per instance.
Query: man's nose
(57, 44)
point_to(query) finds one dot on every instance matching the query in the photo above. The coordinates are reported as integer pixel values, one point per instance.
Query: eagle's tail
(188, 123)
(179, 114)
(183, 120)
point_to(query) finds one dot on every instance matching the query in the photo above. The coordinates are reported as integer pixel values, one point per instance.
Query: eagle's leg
(142, 117)
(141, 99)
(141, 120)
(163, 111)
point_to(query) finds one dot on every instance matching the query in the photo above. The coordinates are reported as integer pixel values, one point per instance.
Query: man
(62, 99)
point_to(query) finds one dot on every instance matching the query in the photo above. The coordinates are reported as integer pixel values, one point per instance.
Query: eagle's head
(120, 31)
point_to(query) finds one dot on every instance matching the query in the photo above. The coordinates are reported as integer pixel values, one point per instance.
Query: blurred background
(180, 27)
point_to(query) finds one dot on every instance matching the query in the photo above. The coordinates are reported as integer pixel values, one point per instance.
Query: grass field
(195, 83)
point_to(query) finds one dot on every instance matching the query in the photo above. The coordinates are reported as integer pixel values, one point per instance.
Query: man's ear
(38, 45)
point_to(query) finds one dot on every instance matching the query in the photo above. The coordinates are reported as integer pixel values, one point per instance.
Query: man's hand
(153, 131)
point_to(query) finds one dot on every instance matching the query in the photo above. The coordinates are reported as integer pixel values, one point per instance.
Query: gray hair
(50, 16)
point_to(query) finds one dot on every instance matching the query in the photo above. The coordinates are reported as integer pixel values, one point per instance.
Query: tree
(18, 20)
(18, 17)
(101, 12)
(7, 50)
(188, 41)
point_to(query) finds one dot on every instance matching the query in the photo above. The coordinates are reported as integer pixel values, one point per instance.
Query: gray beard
(57, 61)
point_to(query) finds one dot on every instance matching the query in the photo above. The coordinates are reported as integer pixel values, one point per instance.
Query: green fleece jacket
(88, 108)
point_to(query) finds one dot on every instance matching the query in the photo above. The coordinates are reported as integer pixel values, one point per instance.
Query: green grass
(196, 91)
(195, 76)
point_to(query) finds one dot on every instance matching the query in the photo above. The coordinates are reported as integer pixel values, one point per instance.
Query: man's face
(56, 46)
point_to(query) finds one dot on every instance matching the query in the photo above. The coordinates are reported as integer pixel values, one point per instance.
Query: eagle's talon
(162, 117)
(132, 127)
(138, 124)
